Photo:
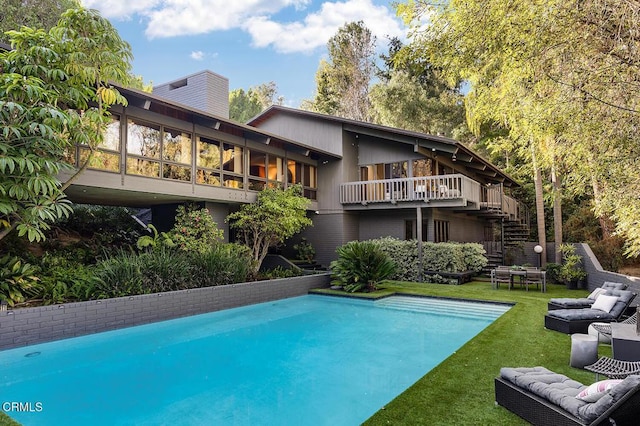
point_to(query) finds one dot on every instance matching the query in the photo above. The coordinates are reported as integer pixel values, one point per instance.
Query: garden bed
(459, 277)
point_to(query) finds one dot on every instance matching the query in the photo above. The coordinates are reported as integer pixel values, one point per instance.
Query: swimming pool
(312, 360)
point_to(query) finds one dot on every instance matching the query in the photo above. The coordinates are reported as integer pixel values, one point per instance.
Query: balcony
(454, 191)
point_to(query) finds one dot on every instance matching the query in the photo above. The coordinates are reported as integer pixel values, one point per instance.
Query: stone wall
(28, 326)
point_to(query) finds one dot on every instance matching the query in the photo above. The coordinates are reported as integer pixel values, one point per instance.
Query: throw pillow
(597, 390)
(597, 292)
(604, 303)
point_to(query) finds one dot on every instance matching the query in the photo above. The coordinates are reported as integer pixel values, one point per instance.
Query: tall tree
(245, 105)
(549, 70)
(411, 95)
(55, 92)
(15, 14)
(342, 82)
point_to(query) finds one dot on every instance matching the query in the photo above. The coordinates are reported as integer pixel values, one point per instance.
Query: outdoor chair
(614, 368)
(607, 308)
(533, 276)
(584, 302)
(501, 275)
(604, 328)
(542, 397)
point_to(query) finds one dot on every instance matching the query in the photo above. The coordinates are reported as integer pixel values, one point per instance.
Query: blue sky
(248, 41)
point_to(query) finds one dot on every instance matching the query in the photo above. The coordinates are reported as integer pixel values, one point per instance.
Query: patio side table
(584, 350)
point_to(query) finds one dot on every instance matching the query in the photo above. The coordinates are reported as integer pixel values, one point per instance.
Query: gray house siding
(219, 213)
(384, 223)
(462, 228)
(377, 151)
(329, 232)
(205, 90)
(320, 134)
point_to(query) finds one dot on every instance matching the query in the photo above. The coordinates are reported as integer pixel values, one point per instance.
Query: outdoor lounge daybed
(584, 302)
(607, 308)
(543, 397)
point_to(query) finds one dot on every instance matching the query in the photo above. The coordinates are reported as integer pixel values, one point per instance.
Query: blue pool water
(312, 360)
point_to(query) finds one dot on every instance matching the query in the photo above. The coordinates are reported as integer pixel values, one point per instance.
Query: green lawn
(459, 391)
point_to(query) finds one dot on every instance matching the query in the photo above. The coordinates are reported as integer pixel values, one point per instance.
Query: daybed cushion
(581, 314)
(569, 303)
(597, 292)
(562, 391)
(614, 286)
(624, 298)
(604, 303)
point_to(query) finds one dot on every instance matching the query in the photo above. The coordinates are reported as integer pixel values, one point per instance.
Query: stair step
(443, 307)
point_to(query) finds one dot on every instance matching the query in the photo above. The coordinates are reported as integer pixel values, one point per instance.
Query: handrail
(424, 188)
(433, 188)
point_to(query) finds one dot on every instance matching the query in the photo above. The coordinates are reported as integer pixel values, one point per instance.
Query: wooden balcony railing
(428, 188)
(431, 189)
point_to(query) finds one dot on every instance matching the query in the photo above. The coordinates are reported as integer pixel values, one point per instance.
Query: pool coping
(28, 326)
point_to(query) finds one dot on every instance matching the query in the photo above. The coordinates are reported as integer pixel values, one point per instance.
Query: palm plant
(360, 266)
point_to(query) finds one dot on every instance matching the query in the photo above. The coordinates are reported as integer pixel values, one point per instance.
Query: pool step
(443, 306)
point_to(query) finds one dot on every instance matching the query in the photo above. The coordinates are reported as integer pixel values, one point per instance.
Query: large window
(156, 151)
(208, 162)
(305, 175)
(107, 154)
(265, 170)
(382, 171)
(219, 163)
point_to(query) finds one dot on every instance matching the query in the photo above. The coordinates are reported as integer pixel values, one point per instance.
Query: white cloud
(198, 55)
(317, 28)
(170, 18)
(121, 9)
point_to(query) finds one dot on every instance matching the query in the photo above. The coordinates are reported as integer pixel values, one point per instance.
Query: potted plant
(571, 272)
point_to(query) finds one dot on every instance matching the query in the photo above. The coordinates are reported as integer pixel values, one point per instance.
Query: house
(364, 181)
(158, 153)
(391, 182)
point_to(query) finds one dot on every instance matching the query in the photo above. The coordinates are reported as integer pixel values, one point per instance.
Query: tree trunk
(557, 212)
(537, 180)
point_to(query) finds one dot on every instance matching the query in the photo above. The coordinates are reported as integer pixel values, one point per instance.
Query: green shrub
(166, 270)
(280, 272)
(553, 272)
(304, 250)
(64, 280)
(195, 229)
(18, 280)
(119, 275)
(155, 240)
(436, 257)
(361, 266)
(223, 264)
(108, 227)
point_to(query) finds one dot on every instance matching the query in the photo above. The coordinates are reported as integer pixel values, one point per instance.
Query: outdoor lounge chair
(614, 368)
(543, 397)
(572, 321)
(583, 302)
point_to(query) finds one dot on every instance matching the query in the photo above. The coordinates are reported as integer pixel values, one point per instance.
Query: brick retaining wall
(27, 326)
(596, 275)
